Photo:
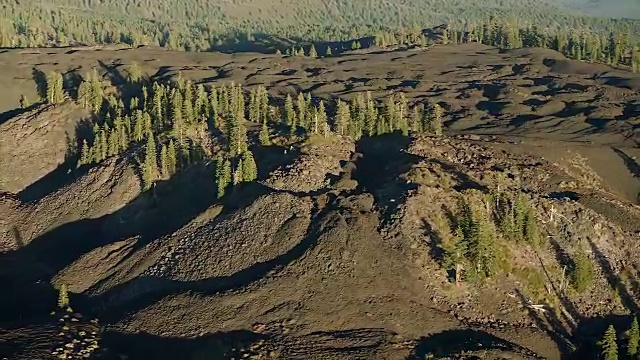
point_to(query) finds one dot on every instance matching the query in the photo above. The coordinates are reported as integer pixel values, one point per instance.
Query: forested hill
(199, 25)
(615, 8)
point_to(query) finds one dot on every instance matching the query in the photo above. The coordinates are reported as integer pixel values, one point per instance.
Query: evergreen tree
(85, 153)
(608, 345)
(54, 84)
(223, 175)
(249, 167)
(320, 120)
(290, 114)
(455, 253)
(172, 157)
(150, 166)
(63, 297)
(328, 53)
(96, 92)
(85, 95)
(343, 117)
(134, 72)
(436, 120)
(634, 337)
(238, 176)
(263, 137)
(164, 161)
(582, 273)
(302, 111)
(312, 52)
(24, 102)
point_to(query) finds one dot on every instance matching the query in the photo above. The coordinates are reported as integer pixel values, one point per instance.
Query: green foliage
(249, 167)
(222, 175)
(54, 84)
(63, 297)
(263, 136)
(634, 337)
(150, 165)
(608, 345)
(582, 273)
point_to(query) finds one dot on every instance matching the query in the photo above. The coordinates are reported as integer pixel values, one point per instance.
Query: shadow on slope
(144, 291)
(454, 343)
(146, 346)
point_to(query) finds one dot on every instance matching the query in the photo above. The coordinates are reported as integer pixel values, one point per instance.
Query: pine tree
(164, 161)
(238, 176)
(263, 137)
(436, 120)
(134, 72)
(608, 345)
(634, 337)
(249, 167)
(320, 120)
(150, 166)
(343, 117)
(85, 153)
(223, 175)
(112, 143)
(290, 114)
(96, 92)
(402, 113)
(54, 84)
(455, 253)
(63, 297)
(582, 273)
(302, 111)
(390, 113)
(312, 52)
(328, 53)
(24, 102)
(172, 157)
(84, 94)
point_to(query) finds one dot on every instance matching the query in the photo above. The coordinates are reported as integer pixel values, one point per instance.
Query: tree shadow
(222, 345)
(40, 78)
(549, 324)
(455, 343)
(379, 168)
(614, 281)
(563, 258)
(142, 292)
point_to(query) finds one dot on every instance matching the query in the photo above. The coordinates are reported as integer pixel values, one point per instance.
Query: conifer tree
(112, 143)
(150, 165)
(54, 84)
(84, 95)
(634, 337)
(63, 297)
(302, 111)
(172, 157)
(249, 167)
(402, 113)
(312, 52)
(238, 176)
(320, 118)
(222, 175)
(96, 92)
(134, 72)
(24, 102)
(608, 345)
(263, 136)
(290, 114)
(343, 117)
(390, 113)
(85, 153)
(436, 121)
(582, 273)
(328, 53)
(371, 119)
(455, 253)
(164, 161)
(104, 141)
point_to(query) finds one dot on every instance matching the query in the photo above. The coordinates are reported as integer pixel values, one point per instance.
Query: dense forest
(205, 25)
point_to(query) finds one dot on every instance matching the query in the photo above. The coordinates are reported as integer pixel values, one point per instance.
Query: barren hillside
(459, 224)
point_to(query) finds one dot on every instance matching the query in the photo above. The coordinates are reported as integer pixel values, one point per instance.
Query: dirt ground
(331, 254)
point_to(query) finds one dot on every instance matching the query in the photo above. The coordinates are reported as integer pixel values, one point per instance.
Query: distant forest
(196, 25)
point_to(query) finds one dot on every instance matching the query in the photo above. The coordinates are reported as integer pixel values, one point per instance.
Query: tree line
(179, 123)
(199, 26)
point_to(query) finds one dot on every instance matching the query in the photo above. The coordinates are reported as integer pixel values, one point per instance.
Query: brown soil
(331, 255)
